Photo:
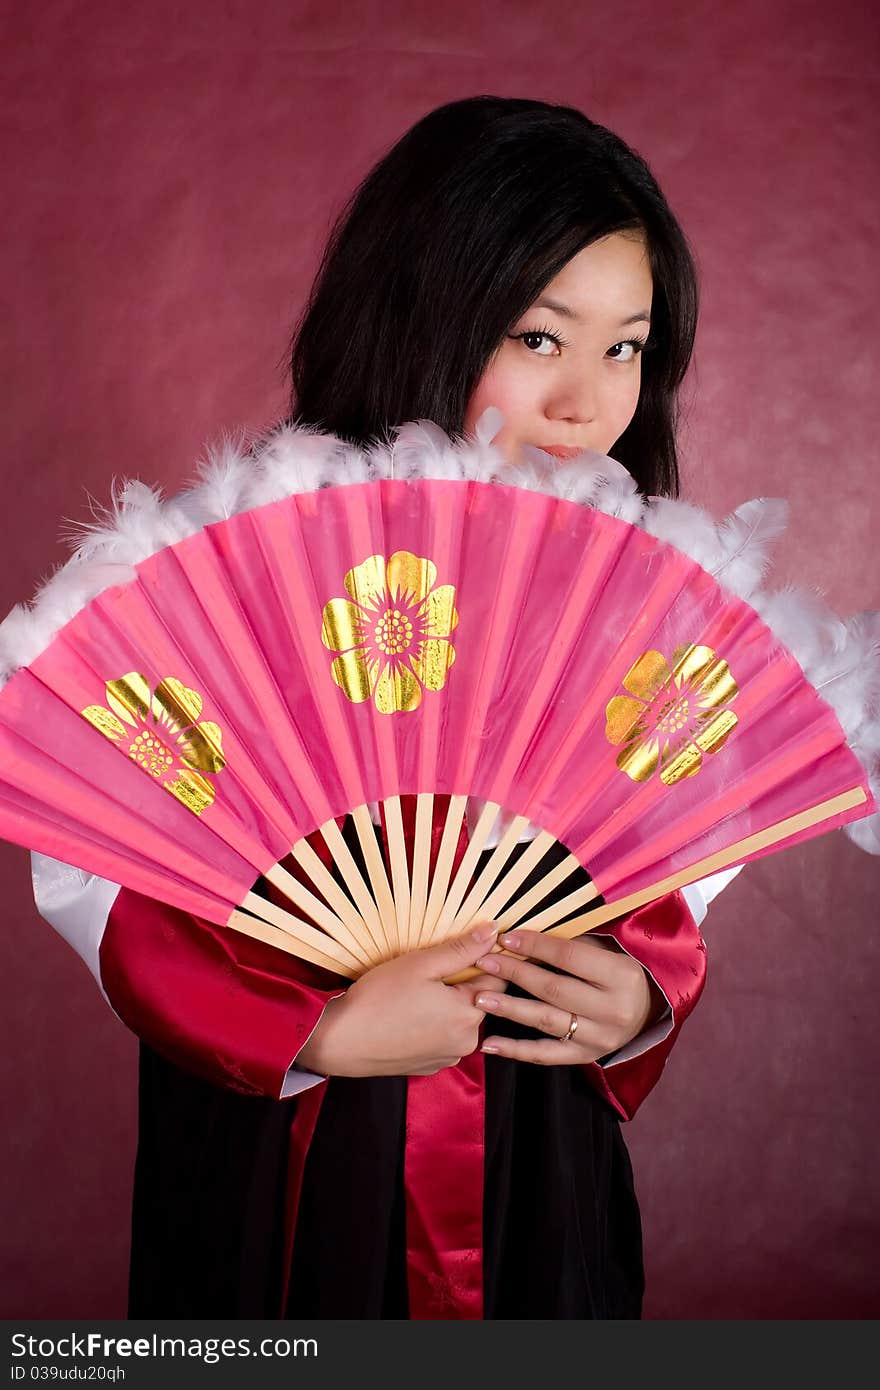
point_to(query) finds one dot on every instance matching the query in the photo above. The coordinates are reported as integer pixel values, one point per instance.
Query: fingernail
(488, 1047)
(487, 1001)
(490, 963)
(485, 932)
(511, 940)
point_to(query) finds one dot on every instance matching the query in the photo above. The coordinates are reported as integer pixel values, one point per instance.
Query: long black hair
(448, 241)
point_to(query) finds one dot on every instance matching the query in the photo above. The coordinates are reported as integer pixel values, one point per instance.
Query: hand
(605, 989)
(400, 1019)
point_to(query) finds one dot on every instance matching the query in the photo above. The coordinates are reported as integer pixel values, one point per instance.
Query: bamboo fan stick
(326, 884)
(399, 868)
(312, 906)
(551, 914)
(545, 886)
(421, 866)
(443, 867)
(282, 941)
(354, 881)
(309, 942)
(500, 855)
(296, 893)
(376, 872)
(527, 861)
(713, 863)
(722, 859)
(274, 936)
(469, 861)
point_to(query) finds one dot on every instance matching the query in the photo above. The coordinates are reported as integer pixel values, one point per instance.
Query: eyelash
(637, 344)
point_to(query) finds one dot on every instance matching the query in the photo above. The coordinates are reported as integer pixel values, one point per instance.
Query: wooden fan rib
(543, 888)
(500, 855)
(455, 812)
(552, 914)
(354, 881)
(713, 863)
(289, 563)
(300, 931)
(296, 938)
(521, 540)
(367, 530)
(313, 907)
(399, 869)
(376, 873)
(518, 873)
(421, 865)
(546, 674)
(327, 886)
(465, 871)
(442, 540)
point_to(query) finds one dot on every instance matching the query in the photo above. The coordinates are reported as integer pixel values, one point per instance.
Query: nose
(573, 398)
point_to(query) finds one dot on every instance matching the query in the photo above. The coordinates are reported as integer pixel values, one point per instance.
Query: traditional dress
(493, 1189)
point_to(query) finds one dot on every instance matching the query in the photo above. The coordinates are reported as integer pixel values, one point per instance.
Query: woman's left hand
(604, 996)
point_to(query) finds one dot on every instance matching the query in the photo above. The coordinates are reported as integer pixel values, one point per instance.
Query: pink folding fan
(313, 631)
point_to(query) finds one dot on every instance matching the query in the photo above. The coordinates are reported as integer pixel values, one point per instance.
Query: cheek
(496, 387)
(511, 391)
(621, 405)
(510, 385)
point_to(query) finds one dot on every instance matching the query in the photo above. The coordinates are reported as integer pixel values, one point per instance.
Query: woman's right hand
(400, 1019)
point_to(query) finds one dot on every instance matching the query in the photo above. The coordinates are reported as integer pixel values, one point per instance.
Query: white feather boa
(840, 657)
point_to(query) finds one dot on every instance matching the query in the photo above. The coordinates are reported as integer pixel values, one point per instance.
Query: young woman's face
(567, 376)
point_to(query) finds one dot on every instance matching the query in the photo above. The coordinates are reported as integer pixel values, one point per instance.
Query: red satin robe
(234, 1012)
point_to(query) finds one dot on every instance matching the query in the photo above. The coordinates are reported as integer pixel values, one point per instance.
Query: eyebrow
(641, 316)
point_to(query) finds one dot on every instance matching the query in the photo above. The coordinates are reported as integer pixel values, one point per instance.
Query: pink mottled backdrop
(171, 176)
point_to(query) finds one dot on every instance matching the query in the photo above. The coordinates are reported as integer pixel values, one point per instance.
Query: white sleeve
(296, 1079)
(698, 897)
(76, 904)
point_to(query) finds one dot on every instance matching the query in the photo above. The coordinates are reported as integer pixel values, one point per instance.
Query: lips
(560, 451)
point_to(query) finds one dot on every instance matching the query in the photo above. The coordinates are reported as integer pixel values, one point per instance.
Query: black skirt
(562, 1236)
(561, 1228)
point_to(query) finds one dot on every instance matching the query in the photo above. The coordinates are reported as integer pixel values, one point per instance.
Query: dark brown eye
(635, 344)
(533, 338)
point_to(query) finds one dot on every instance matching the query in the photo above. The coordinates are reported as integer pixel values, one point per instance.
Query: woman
(505, 253)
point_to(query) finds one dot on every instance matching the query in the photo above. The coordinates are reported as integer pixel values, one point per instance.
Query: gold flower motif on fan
(163, 735)
(392, 632)
(670, 718)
